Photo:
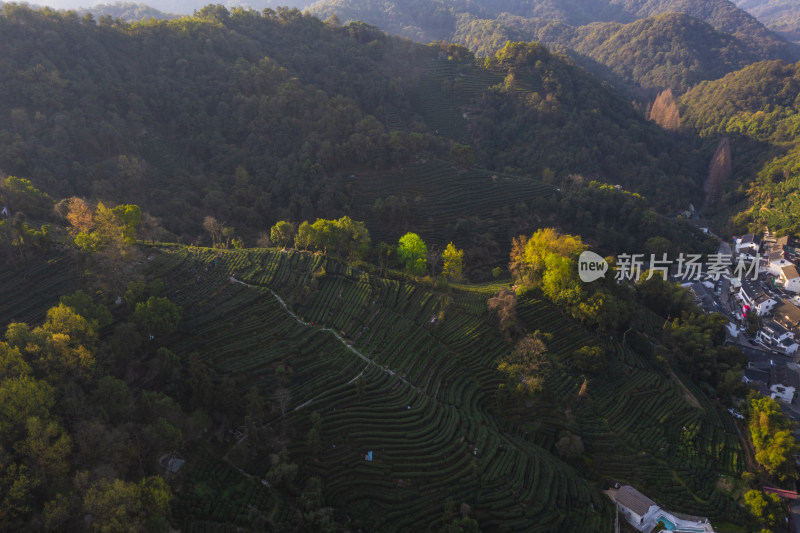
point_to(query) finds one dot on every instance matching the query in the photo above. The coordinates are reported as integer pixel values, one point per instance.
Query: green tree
(766, 508)
(156, 497)
(157, 316)
(527, 365)
(305, 237)
(590, 359)
(282, 234)
(462, 155)
(412, 252)
(385, 252)
(115, 506)
(773, 439)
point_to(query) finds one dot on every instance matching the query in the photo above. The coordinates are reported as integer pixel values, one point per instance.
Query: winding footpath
(321, 328)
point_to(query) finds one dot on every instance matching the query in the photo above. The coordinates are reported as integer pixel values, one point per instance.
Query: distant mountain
(672, 50)
(160, 9)
(782, 16)
(128, 11)
(650, 43)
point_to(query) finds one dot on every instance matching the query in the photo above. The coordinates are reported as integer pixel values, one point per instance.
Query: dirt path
(329, 330)
(687, 395)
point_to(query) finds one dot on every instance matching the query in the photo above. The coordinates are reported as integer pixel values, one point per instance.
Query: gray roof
(775, 329)
(755, 292)
(775, 255)
(750, 238)
(787, 313)
(754, 374)
(634, 500)
(783, 375)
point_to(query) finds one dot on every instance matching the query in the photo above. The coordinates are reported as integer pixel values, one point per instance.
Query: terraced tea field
(427, 409)
(29, 290)
(456, 205)
(445, 92)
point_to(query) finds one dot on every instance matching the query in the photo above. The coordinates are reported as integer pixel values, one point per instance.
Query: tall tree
(412, 252)
(665, 111)
(719, 171)
(453, 263)
(282, 234)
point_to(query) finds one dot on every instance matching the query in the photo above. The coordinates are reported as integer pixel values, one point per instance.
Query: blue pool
(667, 523)
(670, 526)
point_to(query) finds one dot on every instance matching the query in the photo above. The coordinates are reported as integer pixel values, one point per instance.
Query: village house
(754, 296)
(775, 335)
(775, 261)
(790, 279)
(634, 506)
(787, 315)
(784, 383)
(750, 242)
(644, 514)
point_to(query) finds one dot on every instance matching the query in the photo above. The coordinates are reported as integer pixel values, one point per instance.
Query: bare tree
(214, 229)
(433, 256)
(284, 397)
(505, 304)
(665, 111)
(719, 170)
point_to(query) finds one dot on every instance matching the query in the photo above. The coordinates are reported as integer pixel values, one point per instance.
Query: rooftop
(790, 272)
(783, 375)
(634, 500)
(750, 238)
(775, 329)
(754, 374)
(788, 313)
(754, 292)
(775, 255)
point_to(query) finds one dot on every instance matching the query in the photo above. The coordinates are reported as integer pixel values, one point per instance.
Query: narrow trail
(330, 330)
(242, 472)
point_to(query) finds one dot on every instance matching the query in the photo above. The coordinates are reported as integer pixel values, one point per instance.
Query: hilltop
(213, 119)
(654, 44)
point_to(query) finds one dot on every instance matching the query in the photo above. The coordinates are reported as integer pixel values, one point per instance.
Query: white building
(783, 393)
(635, 506)
(775, 262)
(756, 298)
(790, 279)
(774, 333)
(644, 514)
(750, 242)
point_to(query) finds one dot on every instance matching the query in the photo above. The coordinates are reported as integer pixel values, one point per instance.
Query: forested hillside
(266, 272)
(253, 118)
(667, 44)
(127, 11)
(758, 107)
(667, 51)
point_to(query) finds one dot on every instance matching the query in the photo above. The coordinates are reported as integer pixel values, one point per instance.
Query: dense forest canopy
(257, 117)
(672, 50)
(636, 46)
(277, 223)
